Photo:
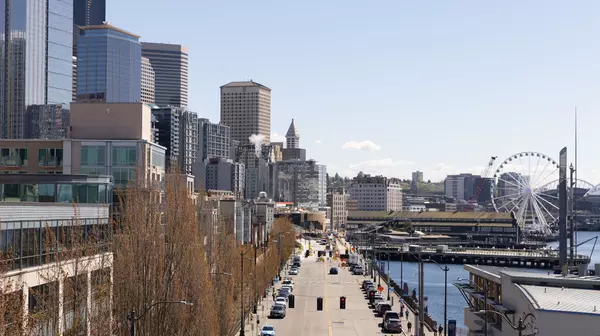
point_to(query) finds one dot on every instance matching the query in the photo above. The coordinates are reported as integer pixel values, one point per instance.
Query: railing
(412, 303)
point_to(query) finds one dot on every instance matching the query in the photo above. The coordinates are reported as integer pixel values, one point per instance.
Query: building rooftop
(164, 46)
(526, 277)
(292, 131)
(560, 299)
(111, 27)
(249, 83)
(472, 216)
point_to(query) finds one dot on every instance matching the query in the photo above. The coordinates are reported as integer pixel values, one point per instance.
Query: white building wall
(394, 197)
(51, 211)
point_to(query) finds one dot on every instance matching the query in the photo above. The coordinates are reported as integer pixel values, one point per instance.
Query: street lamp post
(388, 276)
(242, 331)
(445, 269)
(520, 327)
(133, 318)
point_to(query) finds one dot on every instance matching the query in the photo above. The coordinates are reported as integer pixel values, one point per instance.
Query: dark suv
(391, 322)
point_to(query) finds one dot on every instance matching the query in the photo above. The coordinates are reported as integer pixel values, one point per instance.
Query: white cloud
(277, 138)
(317, 141)
(365, 145)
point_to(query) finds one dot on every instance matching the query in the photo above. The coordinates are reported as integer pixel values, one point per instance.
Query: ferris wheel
(521, 185)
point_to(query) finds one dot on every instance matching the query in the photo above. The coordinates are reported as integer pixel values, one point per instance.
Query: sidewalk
(397, 302)
(254, 322)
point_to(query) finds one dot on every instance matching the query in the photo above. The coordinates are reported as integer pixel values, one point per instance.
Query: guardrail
(412, 303)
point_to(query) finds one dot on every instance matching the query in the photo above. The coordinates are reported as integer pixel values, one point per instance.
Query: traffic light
(371, 296)
(319, 303)
(342, 302)
(291, 301)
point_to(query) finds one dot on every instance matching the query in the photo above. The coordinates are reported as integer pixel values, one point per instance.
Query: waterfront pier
(542, 258)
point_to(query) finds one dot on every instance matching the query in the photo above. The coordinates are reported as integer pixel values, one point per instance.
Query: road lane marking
(325, 302)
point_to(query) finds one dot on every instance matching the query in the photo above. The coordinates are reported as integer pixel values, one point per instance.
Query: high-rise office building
(189, 142)
(170, 64)
(36, 59)
(108, 65)
(214, 140)
(169, 121)
(89, 12)
(246, 109)
(148, 82)
(85, 13)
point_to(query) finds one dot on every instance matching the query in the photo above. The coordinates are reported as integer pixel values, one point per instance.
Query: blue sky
(394, 86)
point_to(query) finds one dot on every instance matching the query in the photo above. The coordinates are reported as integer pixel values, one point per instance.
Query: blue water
(434, 281)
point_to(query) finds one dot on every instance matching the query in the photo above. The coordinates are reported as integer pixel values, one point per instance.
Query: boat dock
(443, 254)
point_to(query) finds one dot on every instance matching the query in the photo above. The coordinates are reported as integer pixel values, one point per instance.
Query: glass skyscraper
(35, 59)
(109, 62)
(89, 13)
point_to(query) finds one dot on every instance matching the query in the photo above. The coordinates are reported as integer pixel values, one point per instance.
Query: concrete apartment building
(336, 201)
(246, 109)
(189, 141)
(148, 82)
(214, 140)
(224, 174)
(376, 193)
(170, 65)
(300, 182)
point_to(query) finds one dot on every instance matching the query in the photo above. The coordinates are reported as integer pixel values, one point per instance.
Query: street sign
(380, 288)
(391, 289)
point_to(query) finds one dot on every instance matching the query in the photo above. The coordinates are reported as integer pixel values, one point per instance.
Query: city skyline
(467, 80)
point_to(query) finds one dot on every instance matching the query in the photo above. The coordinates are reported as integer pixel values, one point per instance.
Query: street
(314, 281)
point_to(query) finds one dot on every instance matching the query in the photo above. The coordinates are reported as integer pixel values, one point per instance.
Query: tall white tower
(292, 137)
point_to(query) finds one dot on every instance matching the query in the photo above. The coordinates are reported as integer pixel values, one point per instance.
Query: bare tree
(160, 257)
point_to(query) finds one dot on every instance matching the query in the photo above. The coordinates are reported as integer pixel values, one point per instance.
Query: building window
(124, 157)
(16, 157)
(93, 155)
(93, 171)
(123, 176)
(50, 157)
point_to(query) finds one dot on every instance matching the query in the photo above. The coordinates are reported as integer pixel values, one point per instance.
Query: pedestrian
(407, 314)
(440, 329)
(409, 326)
(273, 294)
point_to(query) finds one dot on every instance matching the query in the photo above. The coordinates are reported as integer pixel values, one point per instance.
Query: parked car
(383, 307)
(288, 287)
(293, 271)
(333, 270)
(281, 301)
(267, 330)
(391, 322)
(366, 284)
(277, 311)
(358, 270)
